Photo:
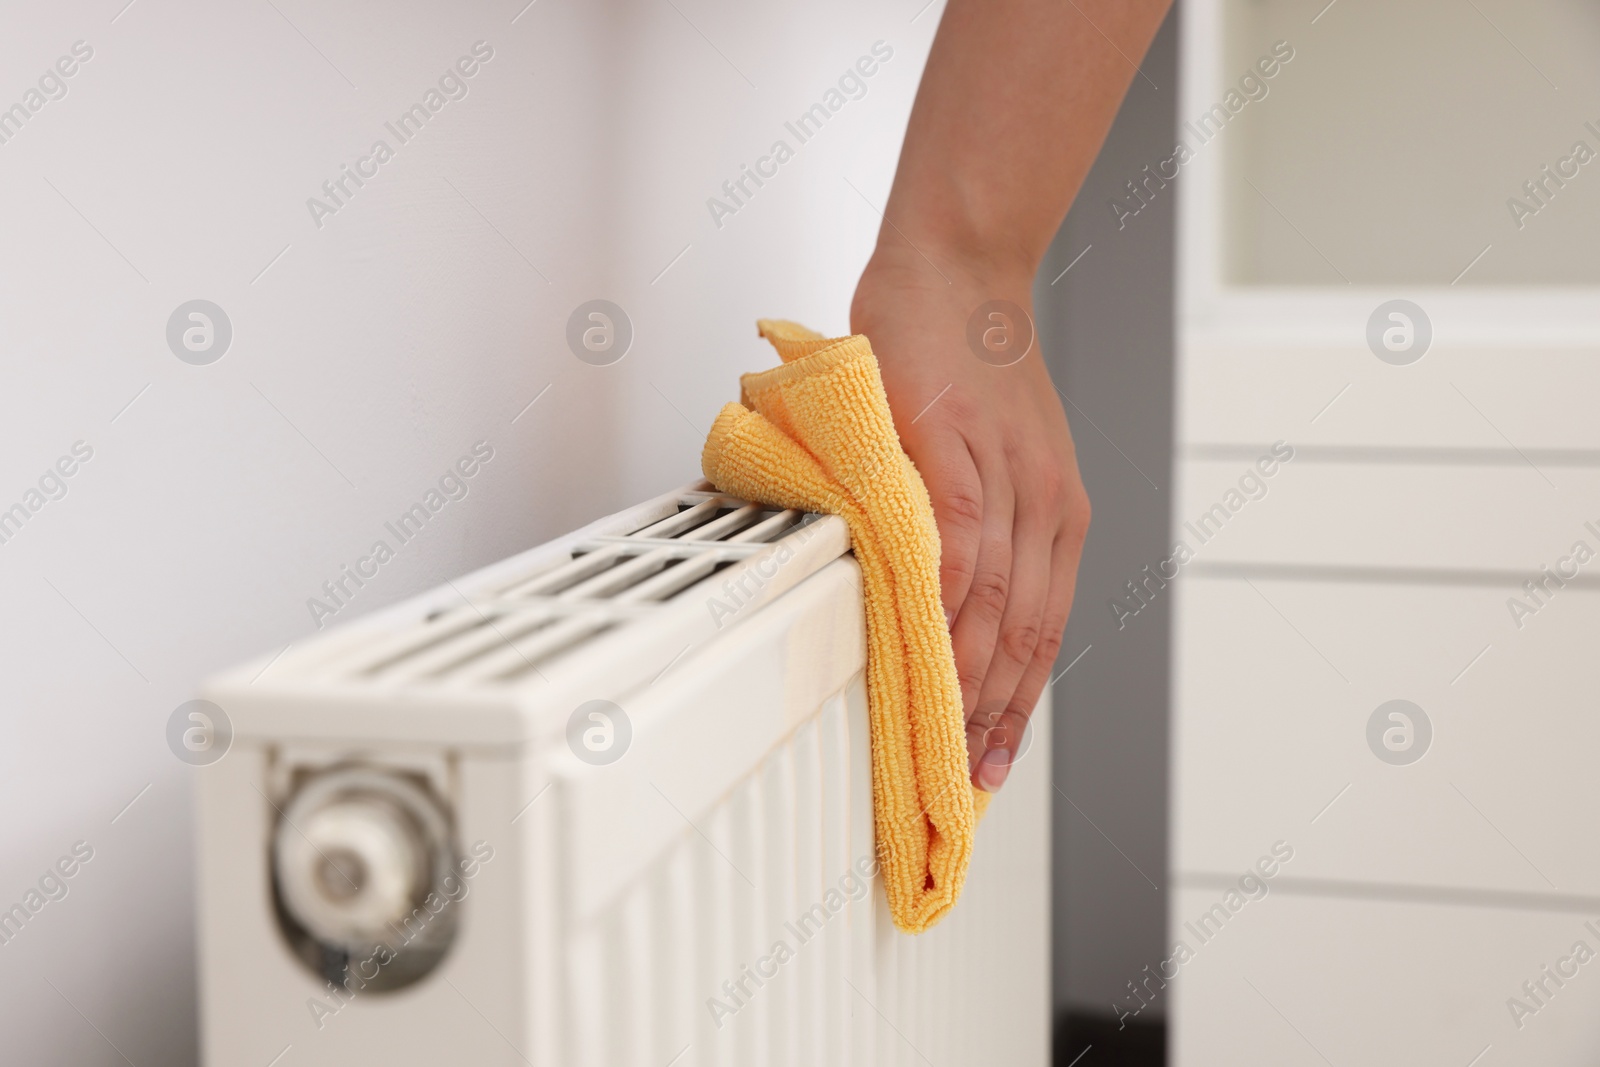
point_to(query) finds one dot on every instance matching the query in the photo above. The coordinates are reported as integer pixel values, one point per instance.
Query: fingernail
(993, 768)
(949, 621)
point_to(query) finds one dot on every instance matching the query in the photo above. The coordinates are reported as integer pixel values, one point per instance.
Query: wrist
(901, 295)
(961, 228)
(937, 267)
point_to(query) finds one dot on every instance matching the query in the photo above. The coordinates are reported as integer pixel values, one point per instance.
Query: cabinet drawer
(1391, 516)
(1275, 685)
(1455, 397)
(1293, 980)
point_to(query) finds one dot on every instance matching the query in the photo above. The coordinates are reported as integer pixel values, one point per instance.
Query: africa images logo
(453, 84)
(851, 85)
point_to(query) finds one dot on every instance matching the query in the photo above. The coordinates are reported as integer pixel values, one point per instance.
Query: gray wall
(1107, 330)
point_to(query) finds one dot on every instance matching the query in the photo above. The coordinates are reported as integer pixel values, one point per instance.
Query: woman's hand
(1013, 106)
(991, 443)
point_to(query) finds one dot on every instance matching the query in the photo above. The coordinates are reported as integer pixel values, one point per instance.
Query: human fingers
(948, 471)
(1009, 724)
(1021, 626)
(977, 621)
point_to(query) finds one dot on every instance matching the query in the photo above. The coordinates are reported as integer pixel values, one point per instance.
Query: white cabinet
(1357, 282)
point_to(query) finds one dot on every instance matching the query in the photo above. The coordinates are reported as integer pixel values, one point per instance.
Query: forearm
(1014, 104)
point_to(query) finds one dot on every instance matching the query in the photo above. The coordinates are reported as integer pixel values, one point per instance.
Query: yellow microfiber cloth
(816, 434)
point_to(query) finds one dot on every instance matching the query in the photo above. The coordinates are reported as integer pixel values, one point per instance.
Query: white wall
(366, 358)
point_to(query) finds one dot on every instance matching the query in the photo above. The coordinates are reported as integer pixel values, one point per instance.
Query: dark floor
(1085, 1040)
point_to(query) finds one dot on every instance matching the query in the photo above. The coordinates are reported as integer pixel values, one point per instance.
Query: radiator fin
(508, 628)
(762, 866)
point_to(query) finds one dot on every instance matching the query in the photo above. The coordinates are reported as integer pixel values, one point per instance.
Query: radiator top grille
(504, 630)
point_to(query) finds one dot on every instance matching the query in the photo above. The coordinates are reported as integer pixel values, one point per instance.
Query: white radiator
(631, 767)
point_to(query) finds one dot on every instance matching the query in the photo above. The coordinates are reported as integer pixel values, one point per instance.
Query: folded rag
(816, 434)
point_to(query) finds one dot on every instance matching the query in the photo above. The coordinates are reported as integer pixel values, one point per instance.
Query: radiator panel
(621, 897)
(854, 990)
